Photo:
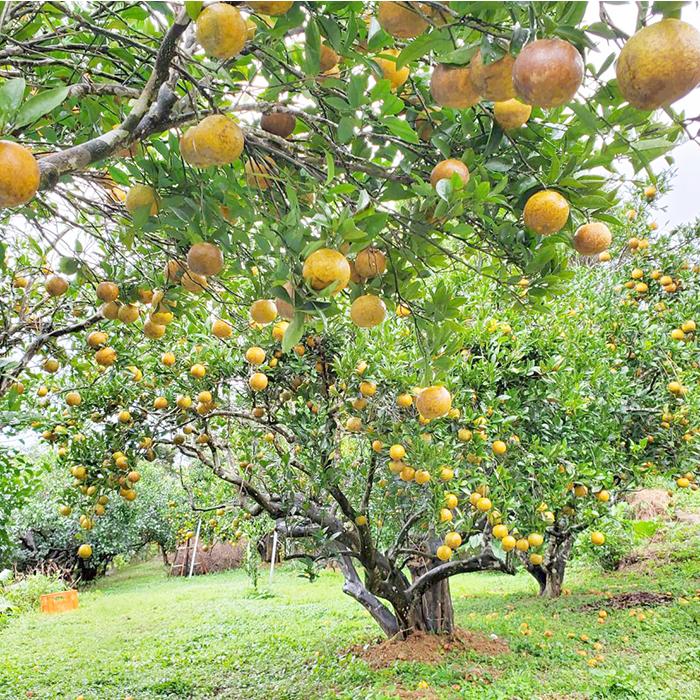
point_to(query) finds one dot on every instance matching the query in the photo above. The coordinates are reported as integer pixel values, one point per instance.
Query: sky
(682, 203)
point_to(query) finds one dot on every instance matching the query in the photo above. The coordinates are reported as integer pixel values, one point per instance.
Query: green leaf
(421, 46)
(69, 266)
(587, 118)
(356, 90)
(402, 129)
(11, 94)
(345, 129)
(312, 50)
(459, 57)
(293, 333)
(39, 105)
(193, 8)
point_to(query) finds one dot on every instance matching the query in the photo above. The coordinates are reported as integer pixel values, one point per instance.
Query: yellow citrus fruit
(19, 174)
(483, 504)
(141, 197)
(273, 8)
(85, 551)
(444, 553)
(401, 20)
(500, 531)
(194, 282)
(499, 447)
(106, 356)
(493, 81)
(153, 330)
(511, 114)
(535, 539)
(659, 64)
(548, 72)
(205, 259)
(367, 311)
(546, 212)
(216, 140)
(387, 63)
(56, 286)
(73, 398)
(445, 169)
(404, 401)
(434, 402)
(258, 382)
(255, 355)
(128, 313)
(370, 262)
(107, 291)
(198, 370)
(597, 538)
(452, 86)
(327, 268)
(221, 329)
(221, 30)
(453, 540)
(508, 543)
(593, 238)
(263, 311)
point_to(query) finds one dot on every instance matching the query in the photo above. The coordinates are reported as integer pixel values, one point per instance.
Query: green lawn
(142, 634)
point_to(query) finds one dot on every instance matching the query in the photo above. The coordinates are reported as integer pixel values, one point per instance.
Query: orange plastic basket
(59, 602)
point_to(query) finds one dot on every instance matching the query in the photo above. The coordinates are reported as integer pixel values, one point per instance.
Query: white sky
(681, 204)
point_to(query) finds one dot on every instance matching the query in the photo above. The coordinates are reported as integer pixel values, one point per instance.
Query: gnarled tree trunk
(432, 611)
(550, 574)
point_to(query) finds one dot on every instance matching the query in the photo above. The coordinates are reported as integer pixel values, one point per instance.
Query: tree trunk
(164, 555)
(550, 574)
(354, 587)
(433, 611)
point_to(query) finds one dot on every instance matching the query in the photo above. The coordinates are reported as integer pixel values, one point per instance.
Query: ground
(143, 634)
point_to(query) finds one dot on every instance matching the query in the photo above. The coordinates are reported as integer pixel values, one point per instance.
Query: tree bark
(354, 587)
(164, 555)
(432, 611)
(550, 574)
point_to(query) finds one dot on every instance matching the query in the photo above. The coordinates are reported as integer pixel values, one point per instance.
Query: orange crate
(59, 602)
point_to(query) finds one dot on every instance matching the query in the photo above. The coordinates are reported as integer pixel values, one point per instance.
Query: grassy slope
(142, 634)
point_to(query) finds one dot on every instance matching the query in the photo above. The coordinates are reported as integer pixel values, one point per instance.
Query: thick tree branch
(485, 561)
(101, 147)
(39, 342)
(355, 589)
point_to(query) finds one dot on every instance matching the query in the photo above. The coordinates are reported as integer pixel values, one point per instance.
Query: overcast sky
(682, 204)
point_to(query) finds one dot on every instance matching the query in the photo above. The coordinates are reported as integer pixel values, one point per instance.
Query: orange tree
(589, 401)
(276, 129)
(43, 536)
(547, 423)
(206, 153)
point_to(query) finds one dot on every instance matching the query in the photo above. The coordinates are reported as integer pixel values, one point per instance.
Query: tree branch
(103, 146)
(486, 561)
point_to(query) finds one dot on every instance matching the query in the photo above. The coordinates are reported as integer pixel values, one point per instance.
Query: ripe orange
(255, 355)
(258, 381)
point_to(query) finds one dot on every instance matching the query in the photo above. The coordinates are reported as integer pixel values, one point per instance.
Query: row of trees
(553, 419)
(377, 174)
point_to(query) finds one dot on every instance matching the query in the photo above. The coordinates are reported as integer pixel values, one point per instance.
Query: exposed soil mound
(633, 599)
(221, 556)
(648, 504)
(427, 648)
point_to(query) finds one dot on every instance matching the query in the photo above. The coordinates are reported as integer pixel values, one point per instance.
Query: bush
(23, 595)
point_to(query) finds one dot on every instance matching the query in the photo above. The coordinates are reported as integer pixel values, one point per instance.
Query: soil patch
(427, 648)
(634, 599)
(649, 504)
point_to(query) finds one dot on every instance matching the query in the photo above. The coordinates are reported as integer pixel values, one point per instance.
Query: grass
(142, 634)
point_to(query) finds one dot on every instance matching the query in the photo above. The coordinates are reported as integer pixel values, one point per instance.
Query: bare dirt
(634, 599)
(427, 648)
(649, 504)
